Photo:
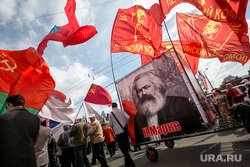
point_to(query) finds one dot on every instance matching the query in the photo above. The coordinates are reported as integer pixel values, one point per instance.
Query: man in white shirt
(121, 137)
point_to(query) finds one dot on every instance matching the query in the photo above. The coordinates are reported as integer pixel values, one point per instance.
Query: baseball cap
(247, 83)
(91, 115)
(78, 117)
(244, 80)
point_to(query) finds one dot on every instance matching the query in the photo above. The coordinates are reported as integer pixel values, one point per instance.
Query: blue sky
(24, 23)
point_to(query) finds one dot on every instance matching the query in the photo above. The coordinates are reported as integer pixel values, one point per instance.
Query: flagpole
(119, 99)
(175, 50)
(79, 110)
(177, 54)
(186, 76)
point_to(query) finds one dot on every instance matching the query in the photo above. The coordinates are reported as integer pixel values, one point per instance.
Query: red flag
(205, 38)
(192, 61)
(71, 33)
(138, 30)
(98, 95)
(218, 10)
(145, 59)
(131, 110)
(26, 73)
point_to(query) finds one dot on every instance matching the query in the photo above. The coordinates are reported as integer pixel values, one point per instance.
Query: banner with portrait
(232, 12)
(205, 38)
(157, 99)
(138, 30)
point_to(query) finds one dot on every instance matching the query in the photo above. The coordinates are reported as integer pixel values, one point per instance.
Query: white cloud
(7, 10)
(73, 79)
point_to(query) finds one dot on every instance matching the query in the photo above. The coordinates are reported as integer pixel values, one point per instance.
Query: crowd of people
(222, 102)
(27, 143)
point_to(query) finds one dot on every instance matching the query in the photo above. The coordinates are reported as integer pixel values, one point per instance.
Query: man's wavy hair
(154, 79)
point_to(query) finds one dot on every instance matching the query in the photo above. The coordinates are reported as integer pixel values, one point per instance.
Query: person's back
(109, 139)
(121, 137)
(52, 151)
(77, 131)
(121, 116)
(109, 134)
(65, 141)
(18, 134)
(41, 146)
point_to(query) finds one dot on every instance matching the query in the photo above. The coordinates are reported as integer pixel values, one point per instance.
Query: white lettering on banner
(219, 158)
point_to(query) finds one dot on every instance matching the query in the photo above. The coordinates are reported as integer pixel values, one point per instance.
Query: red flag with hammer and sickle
(98, 95)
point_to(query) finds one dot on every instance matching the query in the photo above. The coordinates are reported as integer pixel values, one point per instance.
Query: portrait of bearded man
(154, 107)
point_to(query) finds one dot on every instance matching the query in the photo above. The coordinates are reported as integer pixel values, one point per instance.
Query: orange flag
(98, 95)
(138, 30)
(218, 10)
(205, 38)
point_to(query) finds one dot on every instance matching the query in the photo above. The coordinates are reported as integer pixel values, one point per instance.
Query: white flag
(59, 111)
(89, 110)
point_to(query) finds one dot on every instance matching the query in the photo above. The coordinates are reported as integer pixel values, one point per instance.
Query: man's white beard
(151, 107)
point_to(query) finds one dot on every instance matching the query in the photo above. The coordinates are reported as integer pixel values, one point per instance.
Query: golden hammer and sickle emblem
(123, 17)
(6, 62)
(92, 90)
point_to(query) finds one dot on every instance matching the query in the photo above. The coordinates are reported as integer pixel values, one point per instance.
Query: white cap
(244, 80)
(78, 117)
(91, 115)
(247, 83)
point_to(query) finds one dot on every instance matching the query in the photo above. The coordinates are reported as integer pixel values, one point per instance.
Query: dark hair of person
(16, 100)
(114, 105)
(66, 127)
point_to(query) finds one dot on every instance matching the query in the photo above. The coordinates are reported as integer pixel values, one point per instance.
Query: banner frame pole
(112, 69)
(184, 70)
(78, 111)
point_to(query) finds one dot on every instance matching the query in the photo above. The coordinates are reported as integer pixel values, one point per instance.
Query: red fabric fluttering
(191, 61)
(98, 95)
(205, 38)
(138, 30)
(71, 33)
(26, 73)
(232, 12)
(130, 108)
